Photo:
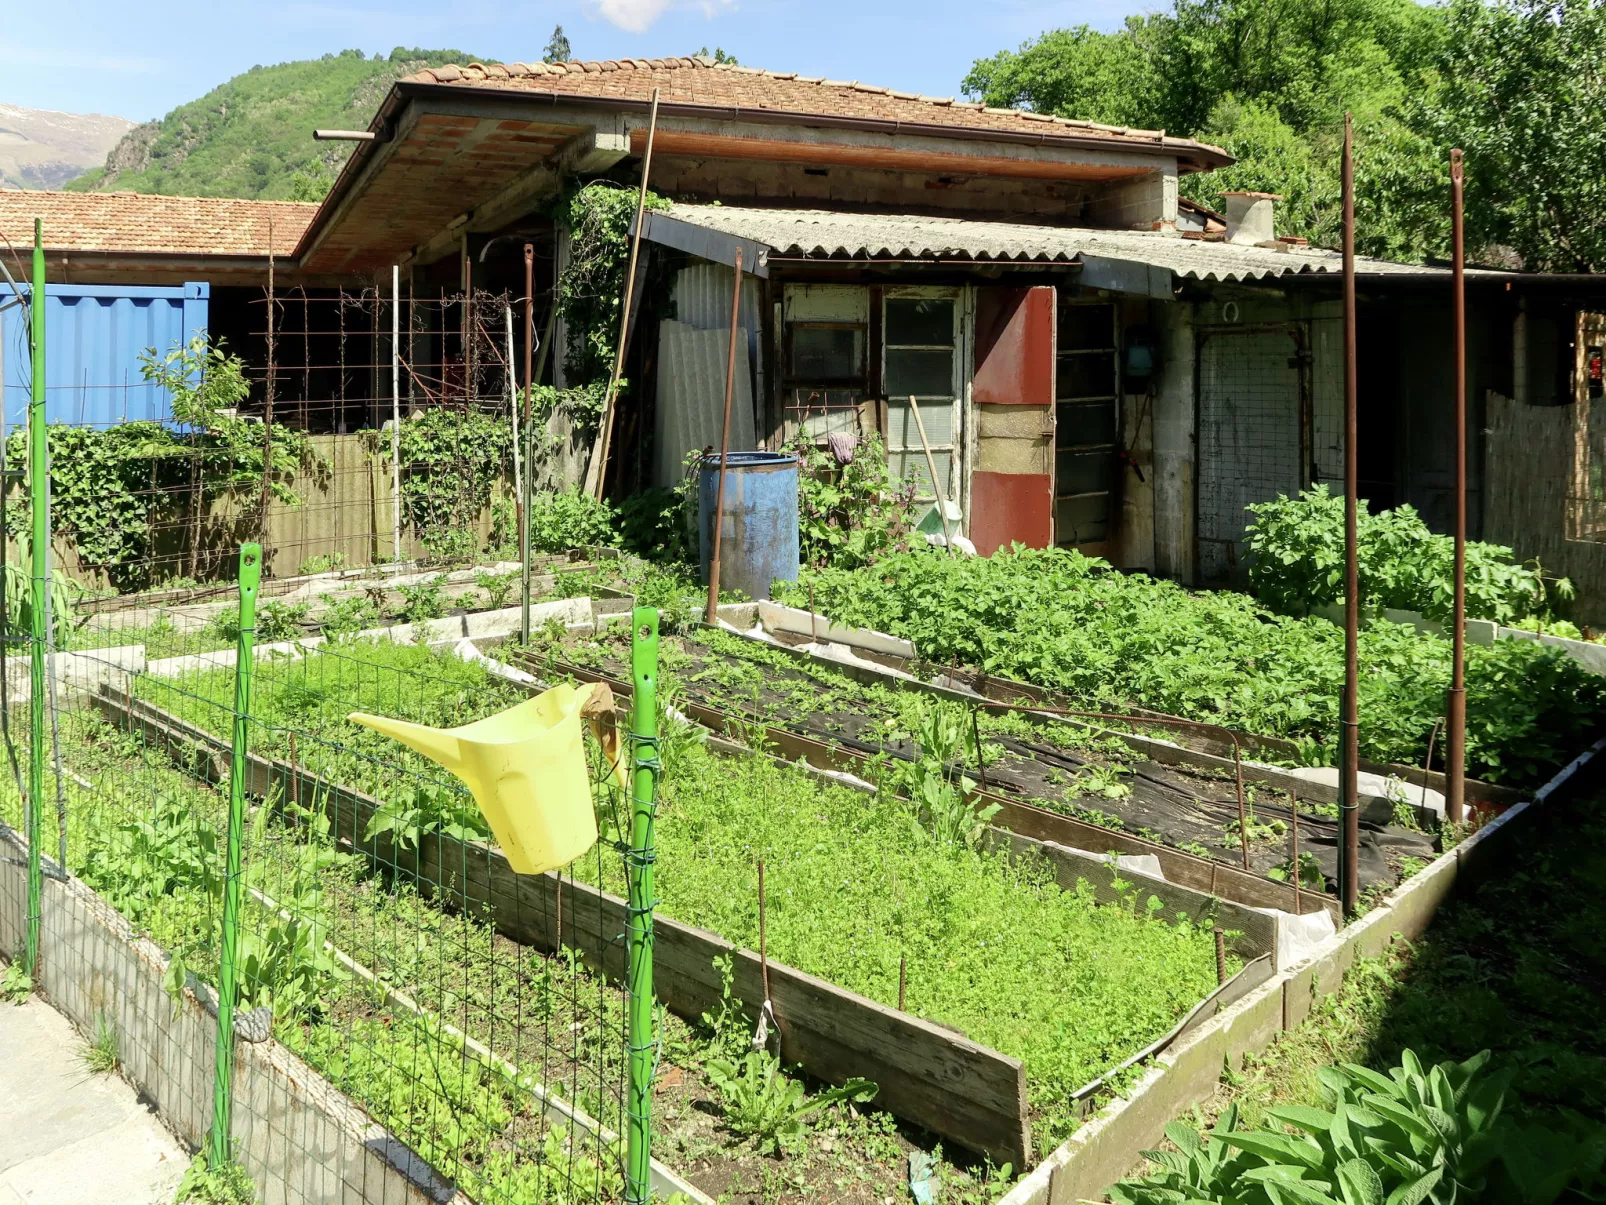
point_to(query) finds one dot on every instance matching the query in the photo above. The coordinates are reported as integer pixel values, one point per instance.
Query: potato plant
(1069, 622)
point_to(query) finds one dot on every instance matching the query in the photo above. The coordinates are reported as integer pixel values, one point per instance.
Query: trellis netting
(193, 607)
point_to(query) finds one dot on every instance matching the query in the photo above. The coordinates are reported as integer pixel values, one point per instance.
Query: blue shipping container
(94, 336)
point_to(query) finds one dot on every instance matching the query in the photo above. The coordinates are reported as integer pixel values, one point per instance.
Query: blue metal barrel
(758, 544)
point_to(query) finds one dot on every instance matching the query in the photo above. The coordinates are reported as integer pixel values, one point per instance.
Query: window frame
(954, 486)
(1062, 354)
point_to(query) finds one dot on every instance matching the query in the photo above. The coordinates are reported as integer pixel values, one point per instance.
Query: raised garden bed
(1067, 769)
(956, 954)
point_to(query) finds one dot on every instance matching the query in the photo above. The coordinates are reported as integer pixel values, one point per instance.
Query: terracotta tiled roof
(135, 224)
(701, 81)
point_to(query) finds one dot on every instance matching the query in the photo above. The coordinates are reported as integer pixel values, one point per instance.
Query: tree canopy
(1517, 83)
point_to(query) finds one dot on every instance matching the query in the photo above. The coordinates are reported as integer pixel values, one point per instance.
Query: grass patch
(104, 1054)
(1513, 966)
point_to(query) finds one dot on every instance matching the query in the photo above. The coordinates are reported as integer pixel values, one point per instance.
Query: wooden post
(711, 615)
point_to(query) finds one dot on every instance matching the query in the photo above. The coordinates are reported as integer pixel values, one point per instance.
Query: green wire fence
(321, 886)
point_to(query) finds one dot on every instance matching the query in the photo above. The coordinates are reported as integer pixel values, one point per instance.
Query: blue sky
(140, 58)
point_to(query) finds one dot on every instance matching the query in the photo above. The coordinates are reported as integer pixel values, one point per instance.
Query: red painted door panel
(1010, 508)
(1014, 347)
(1012, 391)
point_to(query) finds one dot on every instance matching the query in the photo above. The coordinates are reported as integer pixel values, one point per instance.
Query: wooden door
(1012, 486)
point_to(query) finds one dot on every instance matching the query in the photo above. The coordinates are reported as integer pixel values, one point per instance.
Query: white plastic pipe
(513, 408)
(395, 411)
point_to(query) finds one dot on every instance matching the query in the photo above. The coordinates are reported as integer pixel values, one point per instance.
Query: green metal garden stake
(39, 556)
(219, 1152)
(639, 860)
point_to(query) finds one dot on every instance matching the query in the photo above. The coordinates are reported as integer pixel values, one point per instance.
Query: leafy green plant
(1310, 872)
(498, 587)
(654, 523)
(227, 454)
(1103, 781)
(1298, 548)
(343, 617)
(424, 600)
(936, 788)
(19, 603)
(16, 985)
(324, 562)
(1415, 1135)
(416, 810)
(761, 1103)
(451, 459)
(285, 963)
(228, 1185)
(727, 1026)
(597, 217)
(282, 621)
(570, 519)
(168, 850)
(851, 515)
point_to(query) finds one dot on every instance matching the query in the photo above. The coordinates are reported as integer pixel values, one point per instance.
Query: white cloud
(637, 16)
(634, 16)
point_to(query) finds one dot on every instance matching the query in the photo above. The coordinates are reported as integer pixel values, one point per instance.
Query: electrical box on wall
(1140, 362)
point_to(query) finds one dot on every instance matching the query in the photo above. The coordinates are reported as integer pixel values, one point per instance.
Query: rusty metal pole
(1455, 739)
(1350, 723)
(711, 617)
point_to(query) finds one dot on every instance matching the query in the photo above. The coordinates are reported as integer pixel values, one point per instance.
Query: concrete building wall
(748, 183)
(1174, 445)
(1147, 202)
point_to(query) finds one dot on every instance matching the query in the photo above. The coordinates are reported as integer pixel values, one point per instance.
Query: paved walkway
(68, 1137)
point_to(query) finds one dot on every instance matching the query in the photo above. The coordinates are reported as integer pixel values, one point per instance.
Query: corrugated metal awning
(1125, 260)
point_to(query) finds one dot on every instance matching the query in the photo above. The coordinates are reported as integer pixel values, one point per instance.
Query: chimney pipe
(1250, 217)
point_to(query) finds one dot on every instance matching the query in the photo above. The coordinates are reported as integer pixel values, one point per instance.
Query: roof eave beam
(712, 245)
(1126, 276)
(590, 153)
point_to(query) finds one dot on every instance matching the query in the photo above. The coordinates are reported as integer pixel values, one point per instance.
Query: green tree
(557, 47)
(720, 55)
(1522, 92)
(1269, 81)
(1078, 72)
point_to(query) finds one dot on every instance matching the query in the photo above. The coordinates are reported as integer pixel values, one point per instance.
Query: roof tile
(133, 224)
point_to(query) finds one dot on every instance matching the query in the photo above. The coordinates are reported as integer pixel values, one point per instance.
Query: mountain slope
(40, 148)
(252, 136)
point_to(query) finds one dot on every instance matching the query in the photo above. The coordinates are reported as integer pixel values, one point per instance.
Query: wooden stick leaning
(597, 470)
(931, 467)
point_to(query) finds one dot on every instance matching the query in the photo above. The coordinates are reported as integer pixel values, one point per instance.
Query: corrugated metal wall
(94, 335)
(692, 352)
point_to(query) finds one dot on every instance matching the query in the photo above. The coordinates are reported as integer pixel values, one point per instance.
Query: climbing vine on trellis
(114, 488)
(591, 286)
(451, 459)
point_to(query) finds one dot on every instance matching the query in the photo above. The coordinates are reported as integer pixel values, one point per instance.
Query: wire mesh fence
(182, 745)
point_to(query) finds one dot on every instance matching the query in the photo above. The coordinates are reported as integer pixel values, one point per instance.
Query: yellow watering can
(526, 768)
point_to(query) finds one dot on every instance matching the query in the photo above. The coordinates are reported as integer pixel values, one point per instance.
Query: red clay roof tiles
(721, 85)
(135, 224)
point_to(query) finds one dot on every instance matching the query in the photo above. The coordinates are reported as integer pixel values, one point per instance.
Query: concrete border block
(302, 1141)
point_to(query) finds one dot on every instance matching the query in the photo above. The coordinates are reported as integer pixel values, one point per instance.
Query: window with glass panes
(920, 335)
(1087, 398)
(824, 355)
